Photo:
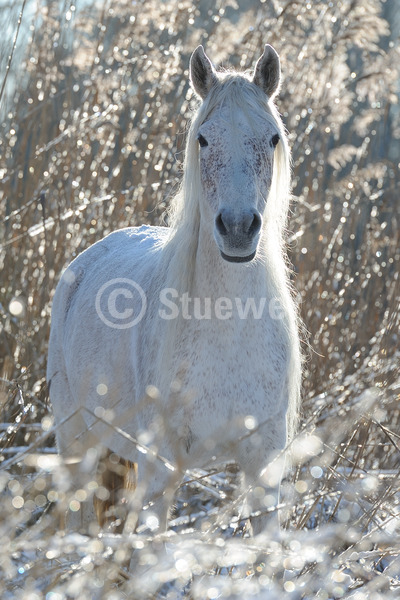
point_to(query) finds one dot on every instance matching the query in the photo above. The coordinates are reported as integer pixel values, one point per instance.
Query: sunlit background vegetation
(95, 104)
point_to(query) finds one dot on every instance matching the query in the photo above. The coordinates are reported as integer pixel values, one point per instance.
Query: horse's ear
(202, 73)
(267, 73)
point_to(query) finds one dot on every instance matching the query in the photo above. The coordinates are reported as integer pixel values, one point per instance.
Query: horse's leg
(74, 443)
(80, 513)
(264, 499)
(151, 502)
(263, 466)
(150, 508)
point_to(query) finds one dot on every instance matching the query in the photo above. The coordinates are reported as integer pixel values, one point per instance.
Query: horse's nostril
(246, 224)
(220, 225)
(255, 224)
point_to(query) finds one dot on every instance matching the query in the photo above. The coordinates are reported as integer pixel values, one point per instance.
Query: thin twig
(12, 50)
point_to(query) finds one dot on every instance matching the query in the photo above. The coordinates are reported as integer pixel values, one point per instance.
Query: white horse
(177, 347)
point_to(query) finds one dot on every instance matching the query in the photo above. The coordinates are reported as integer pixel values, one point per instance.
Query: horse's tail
(116, 478)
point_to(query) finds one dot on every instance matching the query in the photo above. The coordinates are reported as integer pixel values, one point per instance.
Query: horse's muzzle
(237, 235)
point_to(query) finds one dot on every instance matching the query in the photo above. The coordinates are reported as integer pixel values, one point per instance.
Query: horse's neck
(213, 277)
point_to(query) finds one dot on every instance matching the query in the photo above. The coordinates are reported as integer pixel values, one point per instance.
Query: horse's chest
(227, 371)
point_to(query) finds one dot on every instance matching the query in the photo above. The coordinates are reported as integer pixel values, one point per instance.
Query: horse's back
(131, 243)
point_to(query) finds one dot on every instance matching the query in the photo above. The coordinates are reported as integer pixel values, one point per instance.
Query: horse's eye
(202, 141)
(275, 139)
